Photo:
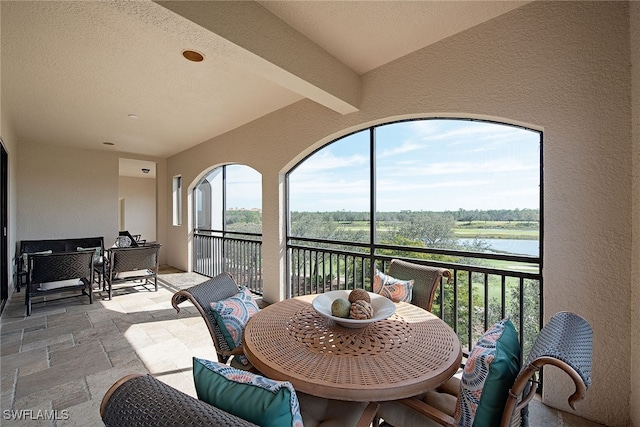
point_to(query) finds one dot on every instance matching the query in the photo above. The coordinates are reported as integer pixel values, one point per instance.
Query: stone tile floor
(61, 360)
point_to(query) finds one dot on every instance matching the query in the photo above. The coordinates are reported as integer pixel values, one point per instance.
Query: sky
(421, 165)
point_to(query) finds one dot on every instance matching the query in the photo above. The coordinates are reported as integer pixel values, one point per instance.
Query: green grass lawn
(497, 230)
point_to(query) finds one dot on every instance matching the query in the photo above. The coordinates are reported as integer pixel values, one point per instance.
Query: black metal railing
(239, 253)
(477, 295)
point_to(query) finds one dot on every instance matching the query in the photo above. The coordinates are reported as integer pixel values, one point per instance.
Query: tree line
(461, 215)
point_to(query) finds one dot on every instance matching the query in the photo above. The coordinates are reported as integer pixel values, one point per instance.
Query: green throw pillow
(489, 373)
(252, 397)
(97, 253)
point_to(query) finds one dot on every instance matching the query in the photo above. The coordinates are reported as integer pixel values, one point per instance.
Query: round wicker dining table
(409, 353)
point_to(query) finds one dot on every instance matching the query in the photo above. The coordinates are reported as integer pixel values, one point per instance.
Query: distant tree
(313, 225)
(243, 216)
(434, 229)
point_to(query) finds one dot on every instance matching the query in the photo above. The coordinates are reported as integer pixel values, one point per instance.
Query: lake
(512, 246)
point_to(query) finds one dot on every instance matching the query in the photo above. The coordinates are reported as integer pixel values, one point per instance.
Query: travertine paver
(47, 341)
(52, 332)
(20, 360)
(76, 368)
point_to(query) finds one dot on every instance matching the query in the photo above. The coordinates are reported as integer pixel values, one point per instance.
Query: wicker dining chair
(201, 296)
(133, 264)
(426, 280)
(138, 400)
(565, 342)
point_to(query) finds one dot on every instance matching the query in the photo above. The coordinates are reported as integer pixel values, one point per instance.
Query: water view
(511, 246)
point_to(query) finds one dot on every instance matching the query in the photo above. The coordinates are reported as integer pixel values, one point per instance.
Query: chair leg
(98, 280)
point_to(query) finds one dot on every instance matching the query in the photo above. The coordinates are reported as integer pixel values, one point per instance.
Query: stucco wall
(139, 196)
(9, 140)
(560, 67)
(10, 145)
(65, 192)
(635, 277)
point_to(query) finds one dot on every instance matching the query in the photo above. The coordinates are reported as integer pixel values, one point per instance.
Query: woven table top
(407, 354)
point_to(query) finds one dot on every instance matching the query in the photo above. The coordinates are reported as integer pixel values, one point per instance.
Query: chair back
(54, 267)
(138, 400)
(426, 280)
(201, 296)
(133, 258)
(566, 342)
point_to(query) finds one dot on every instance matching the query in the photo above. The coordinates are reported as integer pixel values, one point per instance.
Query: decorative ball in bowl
(382, 308)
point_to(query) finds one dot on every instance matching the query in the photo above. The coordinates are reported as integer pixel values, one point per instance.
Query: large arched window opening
(461, 194)
(228, 224)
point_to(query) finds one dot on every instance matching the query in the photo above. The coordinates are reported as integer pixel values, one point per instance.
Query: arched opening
(461, 194)
(227, 218)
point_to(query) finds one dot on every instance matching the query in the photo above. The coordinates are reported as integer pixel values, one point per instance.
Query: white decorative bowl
(382, 308)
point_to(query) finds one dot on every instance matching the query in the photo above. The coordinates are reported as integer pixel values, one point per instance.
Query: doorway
(4, 220)
(137, 198)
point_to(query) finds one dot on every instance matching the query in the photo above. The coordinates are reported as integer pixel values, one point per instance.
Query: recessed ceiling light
(108, 143)
(132, 116)
(193, 56)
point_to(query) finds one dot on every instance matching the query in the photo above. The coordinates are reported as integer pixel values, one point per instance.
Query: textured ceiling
(74, 72)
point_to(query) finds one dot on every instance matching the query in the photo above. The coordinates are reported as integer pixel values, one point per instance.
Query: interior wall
(635, 276)
(10, 144)
(9, 140)
(140, 205)
(561, 67)
(65, 192)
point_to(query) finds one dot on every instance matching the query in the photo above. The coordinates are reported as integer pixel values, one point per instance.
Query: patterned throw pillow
(489, 373)
(255, 398)
(233, 314)
(395, 289)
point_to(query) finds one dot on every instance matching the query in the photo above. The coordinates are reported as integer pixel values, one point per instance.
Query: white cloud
(326, 160)
(406, 147)
(425, 165)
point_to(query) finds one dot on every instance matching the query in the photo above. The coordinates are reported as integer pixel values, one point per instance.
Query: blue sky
(432, 165)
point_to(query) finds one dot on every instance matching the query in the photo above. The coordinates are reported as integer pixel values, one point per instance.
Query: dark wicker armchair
(426, 280)
(201, 296)
(47, 274)
(565, 342)
(133, 264)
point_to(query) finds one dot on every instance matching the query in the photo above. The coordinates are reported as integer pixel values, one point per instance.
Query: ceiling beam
(249, 35)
